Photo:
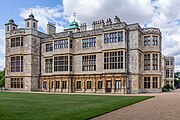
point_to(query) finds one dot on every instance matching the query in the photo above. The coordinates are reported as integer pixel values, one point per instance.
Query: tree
(2, 78)
(176, 78)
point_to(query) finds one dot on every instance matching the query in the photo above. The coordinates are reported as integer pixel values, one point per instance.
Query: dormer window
(27, 24)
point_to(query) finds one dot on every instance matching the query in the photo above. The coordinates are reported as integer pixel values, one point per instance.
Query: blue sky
(12, 8)
(163, 14)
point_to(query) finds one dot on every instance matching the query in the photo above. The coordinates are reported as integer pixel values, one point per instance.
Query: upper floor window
(49, 47)
(167, 73)
(113, 37)
(147, 40)
(155, 61)
(16, 42)
(171, 75)
(147, 61)
(34, 25)
(61, 63)
(155, 40)
(17, 64)
(113, 60)
(71, 60)
(48, 65)
(58, 44)
(167, 62)
(89, 42)
(171, 62)
(27, 24)
(89, 63)
(7, 28)
(71, 43)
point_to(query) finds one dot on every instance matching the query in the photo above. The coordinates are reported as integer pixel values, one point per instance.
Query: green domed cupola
(74, 24)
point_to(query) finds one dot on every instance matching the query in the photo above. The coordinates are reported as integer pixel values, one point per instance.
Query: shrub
(167, 87)
(2, 82)
(164, 90)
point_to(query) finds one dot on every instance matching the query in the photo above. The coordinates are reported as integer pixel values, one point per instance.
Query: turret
(11, 25)
(74, 26)
(31, 22)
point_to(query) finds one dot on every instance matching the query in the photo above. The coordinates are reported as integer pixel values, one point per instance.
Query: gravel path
(165, 106)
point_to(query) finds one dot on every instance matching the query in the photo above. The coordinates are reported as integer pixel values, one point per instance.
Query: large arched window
(27, 24)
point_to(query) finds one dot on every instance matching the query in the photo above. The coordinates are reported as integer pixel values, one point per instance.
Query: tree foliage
(2, 78)
(176, 78)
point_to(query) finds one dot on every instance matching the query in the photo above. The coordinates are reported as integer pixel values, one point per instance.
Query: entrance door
(108, 86)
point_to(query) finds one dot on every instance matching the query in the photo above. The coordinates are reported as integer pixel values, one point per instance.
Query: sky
(163, 14)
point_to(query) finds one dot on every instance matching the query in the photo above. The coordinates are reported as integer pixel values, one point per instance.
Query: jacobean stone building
(113, 57)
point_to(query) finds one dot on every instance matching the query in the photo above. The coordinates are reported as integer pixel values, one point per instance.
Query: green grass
(29, 106)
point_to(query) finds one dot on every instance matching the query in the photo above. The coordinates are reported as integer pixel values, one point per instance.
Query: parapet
(151, 31)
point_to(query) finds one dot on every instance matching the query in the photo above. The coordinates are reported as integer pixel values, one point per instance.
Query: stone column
(151, 85)
(54, 86)
(69, 86)
(60, 87)
(113, 86)
(48, 85)
(83, 84)
(73, 84)
(125, 85)
(122, 85)
(94, 85)
(158, 83)
(104, 85)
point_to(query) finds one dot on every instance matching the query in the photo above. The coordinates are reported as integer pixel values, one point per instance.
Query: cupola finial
(74, 16)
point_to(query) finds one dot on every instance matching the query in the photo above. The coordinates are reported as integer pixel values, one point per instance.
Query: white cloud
(2, 49)
(128, 10)
(166, 18)
(45, 15)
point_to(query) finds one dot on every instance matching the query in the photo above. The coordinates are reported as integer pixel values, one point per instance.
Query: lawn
(30, 106)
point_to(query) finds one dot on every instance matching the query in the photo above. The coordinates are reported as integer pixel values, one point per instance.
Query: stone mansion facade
(113, 57)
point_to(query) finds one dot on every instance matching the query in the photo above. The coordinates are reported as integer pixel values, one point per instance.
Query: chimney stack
(51, 29)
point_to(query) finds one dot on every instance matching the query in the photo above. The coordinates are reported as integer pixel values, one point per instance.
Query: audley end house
(112, 57)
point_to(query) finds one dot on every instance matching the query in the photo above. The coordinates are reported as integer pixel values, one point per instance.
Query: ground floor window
(89, 86)
(57, 84)
(100, 84)
(16, 82)
(118, 84)
(78, 85)
(52, 82)
(155, 82)
(147, 82)
(64, 84)
(44, 84)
